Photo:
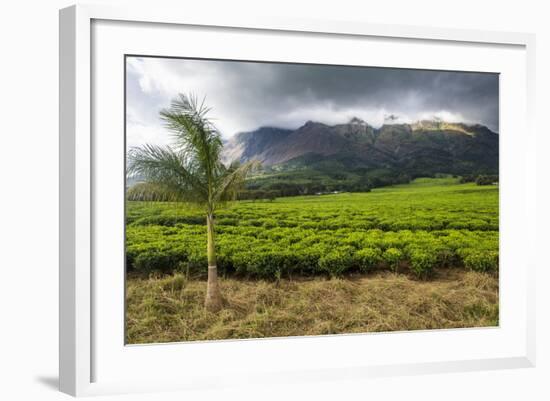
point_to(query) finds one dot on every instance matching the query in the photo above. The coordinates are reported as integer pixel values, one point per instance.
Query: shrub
(227, 221)
(422, 262)
(269, 223)
(198, 262)
(159, 260)
(318, 235)
(467, 178)
(168, 221)
(240, 261)
(486, 179)
(263, 263)
(307, 258)
(482, 261)
(445, 256)
(392, 256)
(368, 258)
(337, 261)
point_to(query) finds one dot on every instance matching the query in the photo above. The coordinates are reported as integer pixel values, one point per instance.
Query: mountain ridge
(434, 146)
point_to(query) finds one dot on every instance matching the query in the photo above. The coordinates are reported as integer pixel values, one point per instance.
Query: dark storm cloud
(246, 95)
(472, 95)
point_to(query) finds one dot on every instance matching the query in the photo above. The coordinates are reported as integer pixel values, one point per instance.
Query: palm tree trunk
(213, 301)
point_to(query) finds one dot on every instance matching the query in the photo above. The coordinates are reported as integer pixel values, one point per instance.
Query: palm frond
(149, 191)
(234, 180)
(165, 168)
(191, 170)
(194, 133)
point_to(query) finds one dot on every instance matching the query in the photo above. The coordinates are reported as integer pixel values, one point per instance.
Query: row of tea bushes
(286, 251)
(419, 226)
(320, 221)
(425, 206)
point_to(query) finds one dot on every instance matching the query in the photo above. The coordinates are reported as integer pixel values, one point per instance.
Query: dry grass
(168, 309)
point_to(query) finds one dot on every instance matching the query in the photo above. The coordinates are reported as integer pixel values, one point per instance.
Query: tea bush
(337, 261)
(481, 261)
(368, 258)
(159, 260)
(392, 256)
(419, 225)
(422, 262)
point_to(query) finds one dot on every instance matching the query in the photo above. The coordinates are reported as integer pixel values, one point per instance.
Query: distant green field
(414, 227)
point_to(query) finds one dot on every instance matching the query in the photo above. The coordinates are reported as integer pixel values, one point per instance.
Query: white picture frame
(84, 352)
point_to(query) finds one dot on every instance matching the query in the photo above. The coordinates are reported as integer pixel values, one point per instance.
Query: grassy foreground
(170, 308)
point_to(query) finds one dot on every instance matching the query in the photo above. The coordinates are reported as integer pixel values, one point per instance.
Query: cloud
(246, 95)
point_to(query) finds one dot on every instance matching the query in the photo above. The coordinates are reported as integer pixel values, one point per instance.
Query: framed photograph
(274, 200)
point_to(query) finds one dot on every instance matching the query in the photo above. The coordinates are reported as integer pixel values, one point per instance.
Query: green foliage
(426, 224)
(486, 179)
(337, 261)
(422, 262)
(481, 261)
(190, 169)
(482, 179)
(392, 256)
(368, 258)
(159, 260)
(324, 177)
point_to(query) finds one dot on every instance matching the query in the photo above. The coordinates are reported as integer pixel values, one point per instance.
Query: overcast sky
(247, 95)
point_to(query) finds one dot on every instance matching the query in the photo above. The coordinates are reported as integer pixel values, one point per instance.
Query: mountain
(249, 145)
(358, 152)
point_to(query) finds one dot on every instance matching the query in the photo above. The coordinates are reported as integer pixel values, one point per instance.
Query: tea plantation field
(412, 228)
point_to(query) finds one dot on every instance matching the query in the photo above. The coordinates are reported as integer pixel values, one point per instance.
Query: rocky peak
(357, 121)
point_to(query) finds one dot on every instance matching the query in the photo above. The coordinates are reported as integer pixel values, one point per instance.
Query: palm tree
(191, 171)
